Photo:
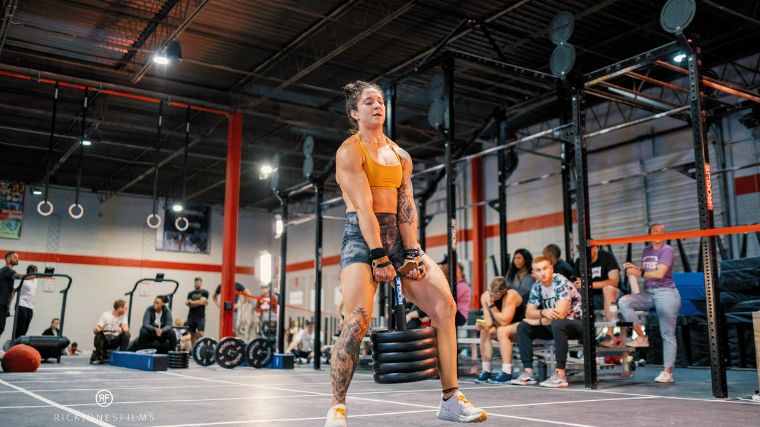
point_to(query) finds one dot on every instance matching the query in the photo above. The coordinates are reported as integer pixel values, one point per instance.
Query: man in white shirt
(302, 345)
(111, 332)
(25, 308)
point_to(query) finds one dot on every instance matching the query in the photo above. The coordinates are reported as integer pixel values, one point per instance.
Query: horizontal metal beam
(515, 69)
(113, 89)
(629, 64)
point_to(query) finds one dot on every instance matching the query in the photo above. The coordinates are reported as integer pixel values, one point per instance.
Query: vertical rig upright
(451, 236)
(706, 217)
(581, 186)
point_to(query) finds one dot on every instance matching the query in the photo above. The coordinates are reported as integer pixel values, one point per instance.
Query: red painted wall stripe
(123, 262)
(538, 222)
(747, 184)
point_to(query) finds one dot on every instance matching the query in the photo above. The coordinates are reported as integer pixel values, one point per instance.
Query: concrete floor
(63, 394)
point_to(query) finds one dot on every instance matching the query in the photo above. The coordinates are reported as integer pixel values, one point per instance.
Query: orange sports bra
(380, 175)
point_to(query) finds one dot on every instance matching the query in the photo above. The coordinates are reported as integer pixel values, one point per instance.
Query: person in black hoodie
(157, 326)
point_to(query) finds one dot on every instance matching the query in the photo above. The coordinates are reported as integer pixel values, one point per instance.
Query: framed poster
(11, 209)
(192, 240)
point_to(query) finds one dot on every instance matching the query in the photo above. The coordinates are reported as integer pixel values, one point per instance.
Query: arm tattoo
(407, 211)
(345, 355)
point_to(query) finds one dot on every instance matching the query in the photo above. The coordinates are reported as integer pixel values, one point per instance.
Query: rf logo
(104, 398)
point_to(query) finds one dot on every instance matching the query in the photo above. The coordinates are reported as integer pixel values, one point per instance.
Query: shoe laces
(461, 398)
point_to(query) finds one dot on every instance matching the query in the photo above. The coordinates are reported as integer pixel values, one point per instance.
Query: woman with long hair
(518, 274)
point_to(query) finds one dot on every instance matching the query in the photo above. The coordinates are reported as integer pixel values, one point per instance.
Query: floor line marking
(541, 420)
(251, 385)
(291, 419)
(563, 402)
(59, 406)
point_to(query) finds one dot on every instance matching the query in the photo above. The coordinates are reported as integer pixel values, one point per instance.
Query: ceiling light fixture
(86, 142)
(177, 207)
(172, 53)
(679, 57)
(265, 171)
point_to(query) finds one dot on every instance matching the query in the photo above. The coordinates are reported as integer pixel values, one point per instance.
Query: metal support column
(390, 110)
(390, 132)
(422, 227)
(581, 194)
(231, 209)
(478, 232)
(502, 165)
(283, 265)
(451, 237)
(319, 192)
(566, 154)
(706, 218)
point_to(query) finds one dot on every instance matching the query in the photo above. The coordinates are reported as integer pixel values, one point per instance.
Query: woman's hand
(417, 273)
(631, 269)
(384, 274)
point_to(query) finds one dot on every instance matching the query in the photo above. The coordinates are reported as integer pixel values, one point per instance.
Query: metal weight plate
(269, 329)
(435, 113)
(561, 27)
(406, 377)
(259, 353)
(390, 347)
(416, 366)
(437, 84)
(406, 356)
(203, 351)
(676, 15)
(274, 180)
(402, 336)
(308, 166)
(562, 60)
(229, 352)
(308, 146)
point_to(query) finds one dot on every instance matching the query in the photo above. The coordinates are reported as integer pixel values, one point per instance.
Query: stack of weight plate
(179, 359)
(404, 356)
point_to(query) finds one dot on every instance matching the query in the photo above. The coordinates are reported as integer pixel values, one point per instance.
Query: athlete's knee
(444, 311)
(357, 323)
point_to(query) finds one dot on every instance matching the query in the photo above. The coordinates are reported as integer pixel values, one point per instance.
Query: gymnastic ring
(177, 221)
(76, 206)
(44, 203)
(152, 225)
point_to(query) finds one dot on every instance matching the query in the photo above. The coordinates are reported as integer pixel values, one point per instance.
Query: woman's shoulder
(350, 147)
(401, 152)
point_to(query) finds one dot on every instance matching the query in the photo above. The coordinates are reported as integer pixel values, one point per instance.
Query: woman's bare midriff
(384, 200)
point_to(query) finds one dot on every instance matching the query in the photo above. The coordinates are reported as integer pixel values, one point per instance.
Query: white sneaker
(664, 377)
(336, 416)
(641, 341)
(554, 381)
(459, 410)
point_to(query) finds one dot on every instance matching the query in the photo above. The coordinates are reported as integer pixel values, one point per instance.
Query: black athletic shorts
(193, 324)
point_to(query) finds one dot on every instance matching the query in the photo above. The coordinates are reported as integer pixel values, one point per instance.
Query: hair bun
(349, 88)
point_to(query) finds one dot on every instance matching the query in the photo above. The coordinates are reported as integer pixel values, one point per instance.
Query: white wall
(117, 229)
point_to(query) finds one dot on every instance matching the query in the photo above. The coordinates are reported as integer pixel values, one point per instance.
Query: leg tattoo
(345, 355)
